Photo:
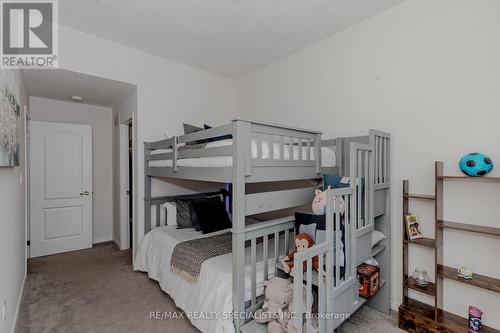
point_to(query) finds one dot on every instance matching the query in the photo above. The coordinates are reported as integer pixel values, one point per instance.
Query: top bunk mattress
(327, 155)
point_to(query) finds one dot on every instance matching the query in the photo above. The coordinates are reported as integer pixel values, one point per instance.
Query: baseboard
(394, 305)
(117, 242)
(18, 306)
(102, 240)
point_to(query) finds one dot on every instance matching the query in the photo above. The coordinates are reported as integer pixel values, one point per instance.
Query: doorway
(74, 98)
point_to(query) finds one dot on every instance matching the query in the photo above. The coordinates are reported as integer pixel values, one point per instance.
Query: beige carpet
(97, 291)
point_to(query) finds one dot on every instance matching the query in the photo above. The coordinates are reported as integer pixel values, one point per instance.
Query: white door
(60, 187)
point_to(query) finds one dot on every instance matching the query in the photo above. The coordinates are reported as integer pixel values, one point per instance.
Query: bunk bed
(244, 153)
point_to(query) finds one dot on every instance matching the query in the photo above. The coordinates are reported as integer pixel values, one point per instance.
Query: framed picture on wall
(10, 123)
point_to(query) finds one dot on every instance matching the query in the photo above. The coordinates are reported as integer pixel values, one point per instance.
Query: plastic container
(475, 319)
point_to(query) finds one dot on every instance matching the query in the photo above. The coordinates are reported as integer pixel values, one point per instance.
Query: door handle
(85, 193)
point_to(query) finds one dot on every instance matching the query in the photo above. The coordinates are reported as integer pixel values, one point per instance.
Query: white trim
(117, 243)
(102, 240)
(394, 305)
(124, 187)
(18, 306)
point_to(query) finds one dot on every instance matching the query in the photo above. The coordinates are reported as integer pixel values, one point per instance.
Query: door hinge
(28, 243)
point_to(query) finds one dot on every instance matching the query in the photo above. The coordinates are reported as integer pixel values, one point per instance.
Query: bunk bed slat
(380, 154)
(309, 293)
(386, 154)
(299, 147)
(338, 234)
(206, 152)
(280, 130)
(282, 147)
(360, 193)
(347, 237)
(376, 157)
(253, 249)
(259, 146)
(298, 295)
(271, 146)
(308, 150)
(162, 156)
(158, 216)
(367, 220)
(321, 293)
(276, 247)
(265, 251)
(287, 241)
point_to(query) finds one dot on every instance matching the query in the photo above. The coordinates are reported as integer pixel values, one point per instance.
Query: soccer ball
(476, 164)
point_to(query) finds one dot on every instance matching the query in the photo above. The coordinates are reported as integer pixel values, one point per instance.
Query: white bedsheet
(213, 290)
(327, 160)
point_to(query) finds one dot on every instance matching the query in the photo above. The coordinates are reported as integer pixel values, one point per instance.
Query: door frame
(124, 186)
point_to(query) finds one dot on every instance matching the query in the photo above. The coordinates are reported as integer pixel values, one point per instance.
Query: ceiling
(227, 37)
(62, 84)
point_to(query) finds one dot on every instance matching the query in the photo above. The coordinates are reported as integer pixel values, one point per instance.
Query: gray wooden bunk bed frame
(364, 159)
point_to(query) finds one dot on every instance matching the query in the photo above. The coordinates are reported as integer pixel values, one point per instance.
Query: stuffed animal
(302, 242)
(287, 319)
(279, 293)
(319, 203)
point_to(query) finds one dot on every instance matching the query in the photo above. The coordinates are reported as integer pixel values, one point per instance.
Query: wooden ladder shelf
(415, 316)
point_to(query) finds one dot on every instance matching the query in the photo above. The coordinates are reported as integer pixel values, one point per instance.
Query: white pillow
(170, 213)
(377, 236)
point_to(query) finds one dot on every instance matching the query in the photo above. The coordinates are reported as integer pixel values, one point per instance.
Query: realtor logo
(29, 34)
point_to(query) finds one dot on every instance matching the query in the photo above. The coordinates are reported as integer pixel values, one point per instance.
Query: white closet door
(60, 187)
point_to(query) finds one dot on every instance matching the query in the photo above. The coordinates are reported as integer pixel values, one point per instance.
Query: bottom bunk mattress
(211, 295)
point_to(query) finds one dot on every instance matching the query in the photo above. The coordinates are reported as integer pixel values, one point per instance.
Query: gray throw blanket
(188, 256)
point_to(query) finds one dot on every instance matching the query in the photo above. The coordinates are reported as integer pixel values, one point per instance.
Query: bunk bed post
(317, 153)
(340, 161)
(147, 190)
(330, 281)
(241, 136)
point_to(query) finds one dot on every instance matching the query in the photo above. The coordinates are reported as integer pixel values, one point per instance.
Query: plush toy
(279, 293)
(302, 242)
(319, 203)
(287, 319)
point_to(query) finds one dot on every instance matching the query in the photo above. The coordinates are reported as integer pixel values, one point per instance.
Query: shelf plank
(474, 179)
(422, 309)
(447, 322)
(469, 227)
(427, 242)
(412, 284)
(478, 280)
(430, 197)
(459, 324)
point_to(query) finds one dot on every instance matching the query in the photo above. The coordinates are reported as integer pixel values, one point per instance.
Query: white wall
(428, 72)
(12, 222)
(100, 118)
(168, 93)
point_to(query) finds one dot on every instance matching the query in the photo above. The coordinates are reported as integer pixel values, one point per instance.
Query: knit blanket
(188, 256)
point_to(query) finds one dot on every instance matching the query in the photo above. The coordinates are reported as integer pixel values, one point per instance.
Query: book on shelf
(413, 227)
